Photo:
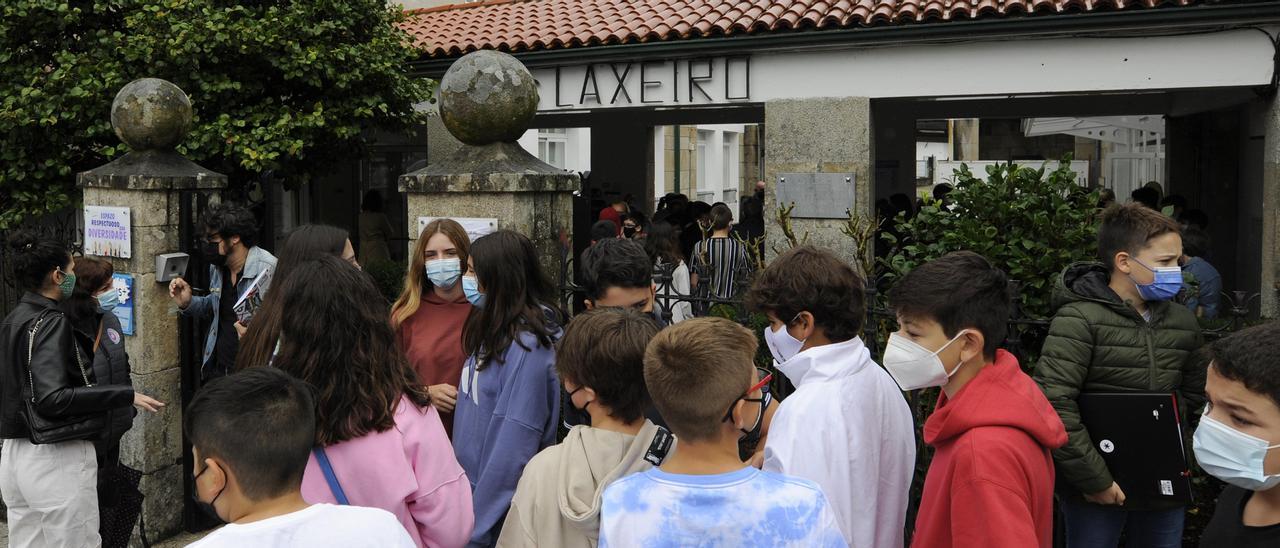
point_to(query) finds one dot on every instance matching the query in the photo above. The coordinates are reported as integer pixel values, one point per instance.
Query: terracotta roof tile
(524, 25)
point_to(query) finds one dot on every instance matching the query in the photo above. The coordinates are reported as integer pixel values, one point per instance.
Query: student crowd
(327, 421)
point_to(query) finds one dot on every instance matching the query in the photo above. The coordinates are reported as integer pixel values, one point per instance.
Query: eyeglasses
(764, 399)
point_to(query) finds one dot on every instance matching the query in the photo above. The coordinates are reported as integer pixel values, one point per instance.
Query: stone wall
(828, 135)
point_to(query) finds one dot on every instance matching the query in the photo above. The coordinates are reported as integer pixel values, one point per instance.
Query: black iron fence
(65, 225)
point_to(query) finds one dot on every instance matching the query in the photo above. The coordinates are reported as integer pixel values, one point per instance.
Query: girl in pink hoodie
(384, 441)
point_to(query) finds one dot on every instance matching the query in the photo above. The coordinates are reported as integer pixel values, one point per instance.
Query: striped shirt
(723, 258)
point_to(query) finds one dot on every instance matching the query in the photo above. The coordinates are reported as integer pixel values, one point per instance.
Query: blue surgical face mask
(472, 291)
(109, 300)
(444, 273)
(1165, 286)
(1233, 456)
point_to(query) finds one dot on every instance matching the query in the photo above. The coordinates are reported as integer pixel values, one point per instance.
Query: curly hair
(813, 280)
(336, 336)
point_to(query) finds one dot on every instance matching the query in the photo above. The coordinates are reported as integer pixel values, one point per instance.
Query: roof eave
(1151, 20)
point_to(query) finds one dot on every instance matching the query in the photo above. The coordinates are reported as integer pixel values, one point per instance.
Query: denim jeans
(1094, 526)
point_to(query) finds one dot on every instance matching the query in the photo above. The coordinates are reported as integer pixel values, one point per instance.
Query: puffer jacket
(59, 390)
(111, 367)
(1099, 343)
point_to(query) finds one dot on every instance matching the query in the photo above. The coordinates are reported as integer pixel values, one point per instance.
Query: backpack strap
(323, 460)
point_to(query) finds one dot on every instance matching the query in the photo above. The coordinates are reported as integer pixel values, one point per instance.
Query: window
(704, 164)
(552, 144)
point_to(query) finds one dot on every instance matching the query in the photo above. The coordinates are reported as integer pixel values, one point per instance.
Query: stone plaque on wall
(817, 195)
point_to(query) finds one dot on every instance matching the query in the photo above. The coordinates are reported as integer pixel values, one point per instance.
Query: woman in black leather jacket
(50, 489)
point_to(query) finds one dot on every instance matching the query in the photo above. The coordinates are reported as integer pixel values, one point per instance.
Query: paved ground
(175, 542)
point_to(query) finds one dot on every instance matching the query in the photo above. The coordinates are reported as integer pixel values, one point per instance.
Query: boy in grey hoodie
(600, 360)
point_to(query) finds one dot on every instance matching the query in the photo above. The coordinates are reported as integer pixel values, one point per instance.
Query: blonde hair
(415, 280)
(695, 370)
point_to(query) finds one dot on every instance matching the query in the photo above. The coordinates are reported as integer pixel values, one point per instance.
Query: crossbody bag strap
(31, 346)
(98, 339)
(332, 479)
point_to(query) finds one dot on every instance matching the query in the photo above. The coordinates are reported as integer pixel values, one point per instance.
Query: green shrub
(1029, 223)
(388, 276)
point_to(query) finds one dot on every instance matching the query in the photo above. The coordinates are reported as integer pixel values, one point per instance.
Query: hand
(180, 292)
(444, 397)
(757, 460)
(146, 403)
(1111, 496)
(240, 329)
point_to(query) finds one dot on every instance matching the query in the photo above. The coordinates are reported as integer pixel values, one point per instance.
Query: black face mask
(628, 232)
(574, 415)
(206, 507)
(211, 254)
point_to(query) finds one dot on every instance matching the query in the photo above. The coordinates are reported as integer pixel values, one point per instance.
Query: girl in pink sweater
(384, 441)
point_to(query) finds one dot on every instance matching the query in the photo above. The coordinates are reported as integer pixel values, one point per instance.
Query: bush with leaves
(1028, 222)
(285, 86)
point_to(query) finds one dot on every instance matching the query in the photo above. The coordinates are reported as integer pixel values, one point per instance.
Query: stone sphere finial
(151, 114)
(487, 97)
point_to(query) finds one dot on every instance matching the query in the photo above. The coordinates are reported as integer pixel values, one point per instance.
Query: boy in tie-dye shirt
(701, 378)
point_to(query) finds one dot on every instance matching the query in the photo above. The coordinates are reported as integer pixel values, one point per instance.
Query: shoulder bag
(46, 430)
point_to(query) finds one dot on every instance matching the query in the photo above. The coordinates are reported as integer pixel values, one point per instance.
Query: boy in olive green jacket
(1116, 330)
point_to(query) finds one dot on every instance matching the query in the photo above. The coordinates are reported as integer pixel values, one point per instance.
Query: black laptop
(1139, 435)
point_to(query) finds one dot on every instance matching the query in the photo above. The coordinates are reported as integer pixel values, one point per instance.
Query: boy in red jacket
(991, 480)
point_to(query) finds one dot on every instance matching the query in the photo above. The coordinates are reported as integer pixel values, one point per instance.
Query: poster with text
(124, 311)
(106, 231)
(475, 227)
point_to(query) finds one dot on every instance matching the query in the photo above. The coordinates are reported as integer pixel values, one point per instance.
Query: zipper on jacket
(1151, 355)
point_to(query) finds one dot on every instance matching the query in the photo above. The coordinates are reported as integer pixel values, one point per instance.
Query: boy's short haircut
(1195, 242)
(614, 262)
(696, 370)
(1248, 356)
(960, 290)
(1130, 228)
(604, 230)
(603, 349)
(262, 423)
(810, 279)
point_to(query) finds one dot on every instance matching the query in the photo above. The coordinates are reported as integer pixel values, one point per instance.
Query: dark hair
(337, 337)
(372, 201)
(1197, 218)
(603, 230)
(261, 423)
(1147, 196)
(1195, 242)
(33, 257)
(614, 263)
(960, 290)
(518, 297)
(228, 220)
(941, 190)
(663, 243)
(813, 280)
(603, 349)
(638, 218)
(1248, 356)
(698, 209)
(721, 217)
(695, 370)
(902, 204)
(1129, 228)
(82, 308)
(305, 243)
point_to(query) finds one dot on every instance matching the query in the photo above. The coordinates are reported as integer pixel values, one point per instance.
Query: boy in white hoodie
(847, 426)
(600, 360)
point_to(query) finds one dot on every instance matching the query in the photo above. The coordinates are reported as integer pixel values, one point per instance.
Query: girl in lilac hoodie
(509, 398)
(376, 426)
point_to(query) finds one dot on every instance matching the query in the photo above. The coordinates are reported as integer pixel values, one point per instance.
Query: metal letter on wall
(817, 195)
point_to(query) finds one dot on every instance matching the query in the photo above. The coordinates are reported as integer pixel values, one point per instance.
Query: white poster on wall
(106, 232)
(475, 227)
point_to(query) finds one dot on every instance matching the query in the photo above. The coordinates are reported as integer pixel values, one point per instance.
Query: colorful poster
(124, 311)
(475, 227)
(106, 232)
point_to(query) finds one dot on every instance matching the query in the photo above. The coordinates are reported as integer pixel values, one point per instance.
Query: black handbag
(46, 430)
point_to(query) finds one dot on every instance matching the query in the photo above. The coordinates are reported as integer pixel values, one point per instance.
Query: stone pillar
(1271, 212)
(152, 116)
(487, 100)
(964, 140)
(828, 135)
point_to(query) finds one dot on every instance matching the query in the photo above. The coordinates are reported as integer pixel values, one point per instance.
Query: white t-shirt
(315, 526)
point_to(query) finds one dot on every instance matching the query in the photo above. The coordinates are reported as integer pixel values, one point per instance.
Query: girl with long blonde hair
(429, 315)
